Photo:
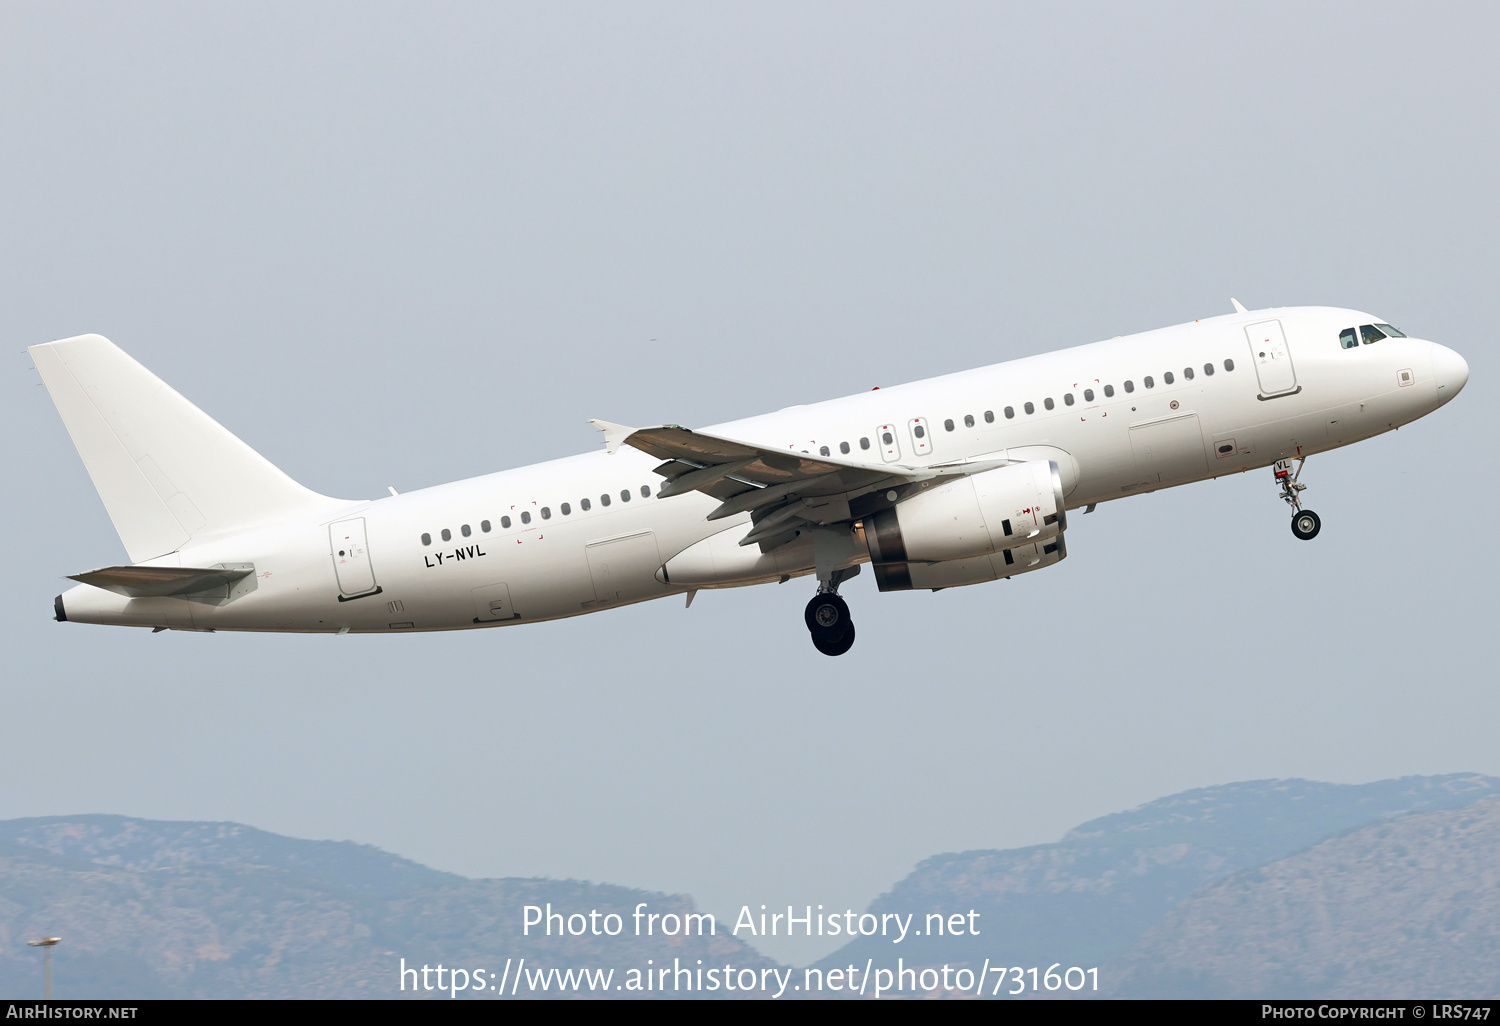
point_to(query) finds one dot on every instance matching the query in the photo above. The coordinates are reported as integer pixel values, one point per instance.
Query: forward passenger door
(1272, 356)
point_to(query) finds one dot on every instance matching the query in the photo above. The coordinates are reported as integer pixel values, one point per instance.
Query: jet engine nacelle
(956, 573)
(989, 512)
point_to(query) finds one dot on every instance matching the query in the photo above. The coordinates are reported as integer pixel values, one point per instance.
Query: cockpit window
(1369, 333)
(1349, 339)
(1392, 332)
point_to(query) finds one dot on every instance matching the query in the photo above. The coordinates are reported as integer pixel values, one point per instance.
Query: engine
(995, 524)
(971, 516)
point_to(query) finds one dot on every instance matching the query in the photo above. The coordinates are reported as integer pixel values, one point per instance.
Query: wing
(780, 488)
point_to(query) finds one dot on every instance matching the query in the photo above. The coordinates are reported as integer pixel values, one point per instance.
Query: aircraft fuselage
(1120, 417)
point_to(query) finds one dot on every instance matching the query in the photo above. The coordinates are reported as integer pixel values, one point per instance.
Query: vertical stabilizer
(167, 472)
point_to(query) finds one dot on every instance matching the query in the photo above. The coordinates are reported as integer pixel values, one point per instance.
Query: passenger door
(351, 559)
(1273, 359)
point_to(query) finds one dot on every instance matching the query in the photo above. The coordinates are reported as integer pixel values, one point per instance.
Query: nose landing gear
(827, 617)
(1305, 523)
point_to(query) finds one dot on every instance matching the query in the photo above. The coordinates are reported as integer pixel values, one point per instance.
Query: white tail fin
(167, 472)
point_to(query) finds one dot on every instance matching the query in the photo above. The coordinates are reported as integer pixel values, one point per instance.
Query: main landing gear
(1305, 523)
(828, 619)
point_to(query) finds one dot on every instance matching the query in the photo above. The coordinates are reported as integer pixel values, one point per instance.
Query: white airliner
(951, 481)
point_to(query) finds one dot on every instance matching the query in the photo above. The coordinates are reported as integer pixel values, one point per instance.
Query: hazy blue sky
(398, 245)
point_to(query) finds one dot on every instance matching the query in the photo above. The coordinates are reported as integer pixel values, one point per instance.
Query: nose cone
(1450, 371)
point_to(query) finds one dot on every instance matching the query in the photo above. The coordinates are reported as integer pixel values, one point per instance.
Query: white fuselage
(441, 559)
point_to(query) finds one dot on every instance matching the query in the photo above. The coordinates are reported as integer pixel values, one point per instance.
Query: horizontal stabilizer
(157, 581)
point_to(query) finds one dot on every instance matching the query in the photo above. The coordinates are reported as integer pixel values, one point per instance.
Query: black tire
(827, 616)
(1306, 524)
(835, 647)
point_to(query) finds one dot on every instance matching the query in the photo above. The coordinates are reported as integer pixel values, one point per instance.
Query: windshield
(1392, 332)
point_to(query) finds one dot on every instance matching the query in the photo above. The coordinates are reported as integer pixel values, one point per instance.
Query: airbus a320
(953, 481)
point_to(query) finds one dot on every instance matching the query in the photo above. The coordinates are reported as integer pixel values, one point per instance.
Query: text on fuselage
(462, 552)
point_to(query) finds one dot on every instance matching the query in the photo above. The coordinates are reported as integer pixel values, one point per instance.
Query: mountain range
(1281, 888)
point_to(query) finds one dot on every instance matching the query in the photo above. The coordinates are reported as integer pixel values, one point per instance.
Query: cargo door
(1169, 451)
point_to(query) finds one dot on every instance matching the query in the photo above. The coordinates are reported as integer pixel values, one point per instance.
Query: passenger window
(646, 489)
(1067, 398)
(484, 525)
(1369, 333)
(546, 513)
(604, 499)
(1167, 377)
(1392, 332)
(844, 448)
(1109, 390)
(1088, 395)
(1348, 339)
(526, 516)
(1148, 382)
(1047, 402)
(464, 530)
(566, 509)
(989, 416)
(823, 450)
(948, 425)
(505, 522)
(1208, 369)
(1229, 365)
(1029, 408)
(968, 420)
(886, 438)
(1187, 372)
(864, 443)
(1010, 412)
(447, 535)
(585, 505)
(1129, 386)
(624, 494)
(921, 432)
(426, 539)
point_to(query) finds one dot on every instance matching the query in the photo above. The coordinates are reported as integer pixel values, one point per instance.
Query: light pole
(46, 944)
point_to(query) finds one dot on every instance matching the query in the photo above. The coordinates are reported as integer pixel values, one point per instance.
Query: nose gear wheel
(1306, 524)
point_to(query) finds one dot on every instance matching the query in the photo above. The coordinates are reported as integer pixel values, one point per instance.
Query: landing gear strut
(1305, 523)
(827, 616)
